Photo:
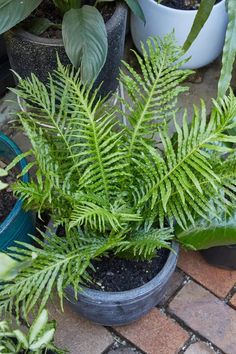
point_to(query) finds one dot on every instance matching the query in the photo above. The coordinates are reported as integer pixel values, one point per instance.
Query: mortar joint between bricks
(230, 294)
(193, 333)
(123, 341)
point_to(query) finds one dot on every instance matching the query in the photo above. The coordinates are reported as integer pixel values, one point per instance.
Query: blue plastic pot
(18, 224)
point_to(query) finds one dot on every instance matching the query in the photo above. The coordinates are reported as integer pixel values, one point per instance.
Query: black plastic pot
(120, 308)
(6, 78)
(221, 256)
(32, 54)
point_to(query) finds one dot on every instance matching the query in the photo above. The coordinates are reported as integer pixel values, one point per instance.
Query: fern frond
(143, 243)
(184, 163)
(100, 218)
(154, 92)
(61, 261)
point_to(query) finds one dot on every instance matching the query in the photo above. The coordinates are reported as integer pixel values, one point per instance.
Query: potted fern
(114, 191)
(75, 29)
(39, 338)
(15, 223)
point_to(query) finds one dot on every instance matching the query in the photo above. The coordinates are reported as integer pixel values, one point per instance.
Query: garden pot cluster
(107, 188)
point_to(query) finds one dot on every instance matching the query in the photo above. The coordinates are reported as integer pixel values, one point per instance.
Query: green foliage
(85, 40)
(229, 50)
(218, 230)
(83, 29)
(38, 339)
(61, 261)
(202, 15)
(114, 187)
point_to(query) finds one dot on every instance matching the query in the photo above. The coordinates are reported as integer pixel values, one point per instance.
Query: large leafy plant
(83, 29)
(39, 338)
(113, 187)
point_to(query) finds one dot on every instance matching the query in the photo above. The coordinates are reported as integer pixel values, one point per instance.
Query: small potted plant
(39, 339)
(114, 191)
(164, 16)
(74, 29)
(15, 223)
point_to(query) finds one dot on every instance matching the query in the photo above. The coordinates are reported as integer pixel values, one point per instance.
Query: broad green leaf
(204, 235)
(136, 9)
(39, 25)
(8, 267)
(199, 21)
(37, 326)
(85, 39)
(46, 338)
(66, 5)
(14, 11)
(3, 185)
(229, 50)
(3, 172)
(21, 338)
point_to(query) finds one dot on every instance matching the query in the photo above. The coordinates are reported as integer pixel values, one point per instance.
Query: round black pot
(221, 256)
(120, 308)
(32, 54)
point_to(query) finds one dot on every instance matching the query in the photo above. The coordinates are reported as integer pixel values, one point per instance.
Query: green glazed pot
(18, 224)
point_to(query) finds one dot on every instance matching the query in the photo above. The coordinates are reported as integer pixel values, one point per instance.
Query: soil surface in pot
(48, 10)
(7, 199)
(116, 274)
(183, 4)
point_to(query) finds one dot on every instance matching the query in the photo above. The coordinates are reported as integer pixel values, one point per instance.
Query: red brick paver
(155, 333)
(233, 301)
(199, 348)
(78, 335)
(219, 281)
(206, 314)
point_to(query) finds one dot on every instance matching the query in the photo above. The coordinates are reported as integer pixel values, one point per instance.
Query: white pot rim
(170, 9)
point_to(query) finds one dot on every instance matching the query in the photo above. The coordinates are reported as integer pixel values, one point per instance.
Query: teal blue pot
(18, 224)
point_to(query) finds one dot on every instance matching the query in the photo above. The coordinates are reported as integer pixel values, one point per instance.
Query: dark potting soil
(48, 10)
(7, 199)
(183, 4)
(116, 274)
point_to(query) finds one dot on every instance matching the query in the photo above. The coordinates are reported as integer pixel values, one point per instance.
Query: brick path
(197, 316)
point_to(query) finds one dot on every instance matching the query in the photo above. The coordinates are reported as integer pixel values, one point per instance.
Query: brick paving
(190, 319)
(218, 281)
(233, 301)
(199, 348)
(153, 333)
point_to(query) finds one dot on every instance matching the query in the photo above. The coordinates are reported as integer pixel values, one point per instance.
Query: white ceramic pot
(161, 20)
